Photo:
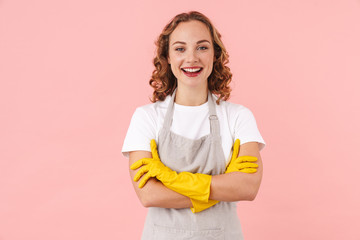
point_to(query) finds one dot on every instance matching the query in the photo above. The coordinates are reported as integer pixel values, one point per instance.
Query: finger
(144, 180)
(154, 151)
(246, 159)
(139, 163)
(249, 170)
(236, 149)
(246, 165)
(141, 172)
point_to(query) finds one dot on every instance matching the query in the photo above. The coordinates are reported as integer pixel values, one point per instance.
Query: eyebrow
(201, 41)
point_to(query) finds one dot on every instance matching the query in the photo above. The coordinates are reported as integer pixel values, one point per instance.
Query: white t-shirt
(236, 121)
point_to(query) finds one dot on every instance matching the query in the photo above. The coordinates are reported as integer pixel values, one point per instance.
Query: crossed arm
(234, 186)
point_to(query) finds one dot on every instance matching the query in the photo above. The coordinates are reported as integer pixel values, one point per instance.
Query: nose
(192, 56)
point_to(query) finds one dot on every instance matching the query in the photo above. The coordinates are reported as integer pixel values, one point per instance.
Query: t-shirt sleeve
(140, 132)
(246, 128)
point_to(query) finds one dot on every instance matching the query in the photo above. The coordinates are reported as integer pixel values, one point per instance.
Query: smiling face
(191, 54)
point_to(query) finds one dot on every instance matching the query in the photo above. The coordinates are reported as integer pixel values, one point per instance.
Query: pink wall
(73, 72)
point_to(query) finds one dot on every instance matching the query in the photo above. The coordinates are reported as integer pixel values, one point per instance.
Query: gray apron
(203, 155)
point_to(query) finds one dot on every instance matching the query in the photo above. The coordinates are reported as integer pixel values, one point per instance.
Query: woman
(192, 179)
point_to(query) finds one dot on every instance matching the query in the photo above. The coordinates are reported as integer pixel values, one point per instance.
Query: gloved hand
(244, 164)
(193, 185)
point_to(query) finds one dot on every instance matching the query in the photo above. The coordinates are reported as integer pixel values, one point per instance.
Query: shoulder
(234, 110)
(143, 127)
(152, 110)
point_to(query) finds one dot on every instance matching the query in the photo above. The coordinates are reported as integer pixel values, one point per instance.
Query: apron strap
(169, 112)
(214, 121)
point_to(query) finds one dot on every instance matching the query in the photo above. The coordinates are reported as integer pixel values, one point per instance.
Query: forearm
(234, 186)
(238, 186)
(155, 194)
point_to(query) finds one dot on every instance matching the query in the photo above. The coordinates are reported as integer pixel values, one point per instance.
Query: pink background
(73, 72)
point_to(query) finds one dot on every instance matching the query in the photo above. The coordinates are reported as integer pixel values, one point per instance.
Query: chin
(193, 84)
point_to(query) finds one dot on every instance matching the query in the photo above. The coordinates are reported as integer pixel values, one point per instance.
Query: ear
(168, 59)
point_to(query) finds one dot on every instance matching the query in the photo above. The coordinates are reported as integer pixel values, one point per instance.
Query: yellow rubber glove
(244, 164)
(193, 185)
(199, 206)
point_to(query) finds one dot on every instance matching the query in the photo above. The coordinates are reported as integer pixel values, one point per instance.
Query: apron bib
(203, 155)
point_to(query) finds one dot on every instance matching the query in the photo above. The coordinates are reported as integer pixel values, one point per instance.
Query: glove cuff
(199, 206)
(193, 185)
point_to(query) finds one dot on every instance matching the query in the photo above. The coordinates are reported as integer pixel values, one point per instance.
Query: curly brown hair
(163, 80)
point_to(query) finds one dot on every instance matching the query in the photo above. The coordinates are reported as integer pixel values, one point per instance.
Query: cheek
(174, 69)
(176, 58)
(210, 61)
(176, 63)
(209, 58)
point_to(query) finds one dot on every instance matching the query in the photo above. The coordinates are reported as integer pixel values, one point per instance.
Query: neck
(191, 96)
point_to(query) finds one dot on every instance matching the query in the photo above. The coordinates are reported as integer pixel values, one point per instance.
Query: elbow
(146, 204)
(148, 196)
(254, 186)
(250, 193)
(145, 195)
(145, 201)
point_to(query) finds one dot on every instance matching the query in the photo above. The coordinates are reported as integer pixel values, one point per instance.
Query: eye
(203, 48)
(179, 49)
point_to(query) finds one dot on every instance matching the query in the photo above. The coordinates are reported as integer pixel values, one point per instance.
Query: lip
(192, 74)
(191, 67)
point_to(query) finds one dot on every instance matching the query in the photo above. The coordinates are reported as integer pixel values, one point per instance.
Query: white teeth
(191, 69)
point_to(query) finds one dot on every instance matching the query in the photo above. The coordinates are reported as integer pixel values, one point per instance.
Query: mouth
(192, 71)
